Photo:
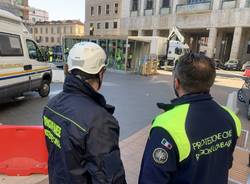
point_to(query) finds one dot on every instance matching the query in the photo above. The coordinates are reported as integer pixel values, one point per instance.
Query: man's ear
(177, 83)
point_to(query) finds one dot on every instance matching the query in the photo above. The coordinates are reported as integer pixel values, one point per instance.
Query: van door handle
(27, 67)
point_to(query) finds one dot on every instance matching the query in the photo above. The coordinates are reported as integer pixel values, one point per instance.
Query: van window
(10, 45)
(34, 52)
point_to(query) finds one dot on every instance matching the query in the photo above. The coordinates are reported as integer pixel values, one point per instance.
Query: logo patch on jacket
(166, 144)
(160, 156)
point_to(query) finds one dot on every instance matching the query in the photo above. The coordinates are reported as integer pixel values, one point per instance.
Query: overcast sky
(61, 9)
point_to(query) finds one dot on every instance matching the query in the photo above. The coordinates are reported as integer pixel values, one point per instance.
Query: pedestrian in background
(193, 141)
(82, 135)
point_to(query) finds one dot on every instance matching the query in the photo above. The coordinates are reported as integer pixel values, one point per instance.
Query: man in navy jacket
(193, 141)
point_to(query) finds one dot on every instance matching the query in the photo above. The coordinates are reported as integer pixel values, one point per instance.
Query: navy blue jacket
(82, 137)
(208, 162)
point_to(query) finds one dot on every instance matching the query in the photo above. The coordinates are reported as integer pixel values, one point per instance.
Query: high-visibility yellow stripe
(236, 120)
(173, 122)
(66, 118)
(23, 72)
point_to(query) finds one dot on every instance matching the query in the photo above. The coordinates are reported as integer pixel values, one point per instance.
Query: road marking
(110, 84)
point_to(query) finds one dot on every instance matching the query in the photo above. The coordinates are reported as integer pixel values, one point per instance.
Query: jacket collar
(189, 98)
(74, 85)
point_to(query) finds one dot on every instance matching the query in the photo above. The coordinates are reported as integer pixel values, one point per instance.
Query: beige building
(52, 33)
(103, 17)
(220, 28)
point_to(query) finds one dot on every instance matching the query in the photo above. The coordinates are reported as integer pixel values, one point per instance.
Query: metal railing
(148, 12)
(134, 13)
(199, 6)
(227, 4)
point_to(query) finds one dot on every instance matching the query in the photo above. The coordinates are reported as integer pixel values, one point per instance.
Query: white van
(22, 66)
(175, 50)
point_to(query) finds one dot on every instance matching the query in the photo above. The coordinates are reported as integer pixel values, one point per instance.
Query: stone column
(140, 33)
(174, 3)
(212, 42)
(217, 4)
(243, 3)
(236, 43)
(218, 44)
(155, 32)
(157, 7)
(142, 7)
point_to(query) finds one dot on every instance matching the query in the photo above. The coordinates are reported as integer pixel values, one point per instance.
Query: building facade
(220, 28)
(103, 17)
(37, 15)
(17, 7)
(52, 33)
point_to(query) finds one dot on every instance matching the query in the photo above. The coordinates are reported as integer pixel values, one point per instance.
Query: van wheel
(44, 89)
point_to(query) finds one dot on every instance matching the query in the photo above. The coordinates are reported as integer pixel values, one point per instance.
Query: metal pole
(126, 55)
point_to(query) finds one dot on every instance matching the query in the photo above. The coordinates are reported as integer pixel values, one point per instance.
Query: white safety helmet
(87, 57)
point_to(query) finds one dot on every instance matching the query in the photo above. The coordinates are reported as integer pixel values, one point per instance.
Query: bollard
(249, 160)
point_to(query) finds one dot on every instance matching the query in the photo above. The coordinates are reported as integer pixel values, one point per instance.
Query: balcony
(134, 13)
(164, 11)
(193, 8)
(228, 4)
(148, 12)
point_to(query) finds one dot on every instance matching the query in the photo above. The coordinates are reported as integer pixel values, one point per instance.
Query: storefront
(123, 53)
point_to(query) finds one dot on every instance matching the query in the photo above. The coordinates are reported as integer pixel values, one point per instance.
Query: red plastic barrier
(247, 73)
(23, 150)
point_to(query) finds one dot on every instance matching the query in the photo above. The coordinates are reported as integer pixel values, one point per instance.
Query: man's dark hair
(195, 72)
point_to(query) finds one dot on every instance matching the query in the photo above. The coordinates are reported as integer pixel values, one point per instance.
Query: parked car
(232, 65)
(246, 65)
(218, 64)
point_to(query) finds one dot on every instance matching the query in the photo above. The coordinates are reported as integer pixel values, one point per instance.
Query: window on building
(52, 30)
(98, 25)
(10, 45)
(135, 5)
(58, 30)
(36, 31)
(91, 29)
(52, 39)
(31, 30)
(41, 30)
(71, 30)
(33, 20)
(248, 47)
(107, 9)
(58, 40)
(46, 30)
(149, 4)
(115, 25)
(106, 25)
(116, 8)
(46, 39)
(165, 3)
(92, 9)
(64, 29)
(99, 10)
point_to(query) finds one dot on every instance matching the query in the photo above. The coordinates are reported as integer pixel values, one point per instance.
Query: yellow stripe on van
(23, 72)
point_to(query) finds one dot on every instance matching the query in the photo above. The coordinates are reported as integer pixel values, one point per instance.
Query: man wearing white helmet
(82, 135)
